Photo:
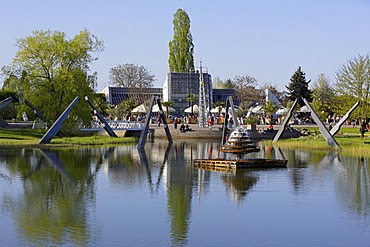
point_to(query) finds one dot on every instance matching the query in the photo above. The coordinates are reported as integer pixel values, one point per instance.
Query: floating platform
(236, 164)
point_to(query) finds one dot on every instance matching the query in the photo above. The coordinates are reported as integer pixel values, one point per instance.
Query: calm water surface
(117, 196)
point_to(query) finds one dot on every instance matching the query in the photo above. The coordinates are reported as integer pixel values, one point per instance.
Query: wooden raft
(234, 164)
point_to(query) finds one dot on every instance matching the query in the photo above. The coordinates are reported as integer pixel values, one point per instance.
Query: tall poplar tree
(181, 48)
(298, 87)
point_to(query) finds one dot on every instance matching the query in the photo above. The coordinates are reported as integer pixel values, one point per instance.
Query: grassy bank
(348, 139)
(31, 138)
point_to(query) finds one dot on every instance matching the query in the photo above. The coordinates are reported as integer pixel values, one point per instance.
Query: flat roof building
(116, 95)
(178, 86)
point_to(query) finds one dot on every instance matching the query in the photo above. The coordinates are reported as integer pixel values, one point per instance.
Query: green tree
(101, 103)
(131, 75)
(181, 48)
(323, 95)
(219, 84)
(353, 83)
(191, 99)
(298, 87)
(53, 69)
(167, 105)
(219, 105)
(270, 108)
(124, 108)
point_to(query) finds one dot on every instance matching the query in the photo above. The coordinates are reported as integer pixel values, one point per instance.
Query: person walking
(363, 129)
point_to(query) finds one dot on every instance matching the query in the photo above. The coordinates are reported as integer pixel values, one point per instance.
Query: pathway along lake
(116, 196)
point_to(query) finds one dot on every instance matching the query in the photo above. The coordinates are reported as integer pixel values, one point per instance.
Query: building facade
(116, 95)
(222, 94)
(178, 86)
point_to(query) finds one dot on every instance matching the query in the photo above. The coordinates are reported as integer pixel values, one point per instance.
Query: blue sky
(264, 39)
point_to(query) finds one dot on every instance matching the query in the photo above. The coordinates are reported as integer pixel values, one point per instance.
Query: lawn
(30, 138)
(348, 139)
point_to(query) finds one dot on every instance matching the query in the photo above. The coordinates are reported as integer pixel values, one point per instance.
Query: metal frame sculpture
(285, 123)
(144, 132)
(5, 102)
(40, 115)
(106, 126)
(54, 129)
(328, 135)
(229, 104)
(337, 126)
(323, 130)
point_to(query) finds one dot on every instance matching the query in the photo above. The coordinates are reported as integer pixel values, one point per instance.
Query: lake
(117, 196)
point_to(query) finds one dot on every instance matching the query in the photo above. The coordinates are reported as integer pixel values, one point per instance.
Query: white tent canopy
(195, 109)
(140, 109)
(257, 109)
(304, 109)
(216, 109)
(282, 111)
(156, 109)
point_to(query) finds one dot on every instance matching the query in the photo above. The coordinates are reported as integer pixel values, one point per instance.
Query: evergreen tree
(181, 47)
(298, 87)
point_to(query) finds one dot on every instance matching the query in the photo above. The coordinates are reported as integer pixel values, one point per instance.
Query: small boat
(239, 142)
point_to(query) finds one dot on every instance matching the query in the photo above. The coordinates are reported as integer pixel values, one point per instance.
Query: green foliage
(219, 84)
(323, 96)
(219, 105)
(353, 83)
(4, 94)
(123, 109)
(239, 112)
(100, 103)
(298, 87)
(50, 70)
(181, 48)
(9, 111)
(167, 104)
(251, 120)
(191, 99)
(270, 108)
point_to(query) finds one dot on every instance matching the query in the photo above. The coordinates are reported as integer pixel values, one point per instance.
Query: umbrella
(257, 109)
(140, 109)
(304, 109)
(215, 110)
(281, 111)
(156, 109)
(195, 109)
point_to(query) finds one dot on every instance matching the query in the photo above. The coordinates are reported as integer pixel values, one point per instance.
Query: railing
(116, 125)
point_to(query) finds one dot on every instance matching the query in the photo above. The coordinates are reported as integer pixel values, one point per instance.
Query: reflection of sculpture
(51, 209)
(353, 184)
(145, 162)
(239, 183)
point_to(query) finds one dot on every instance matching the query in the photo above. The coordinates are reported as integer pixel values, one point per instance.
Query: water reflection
(50, 205)
(58, 193)
(239, 183)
